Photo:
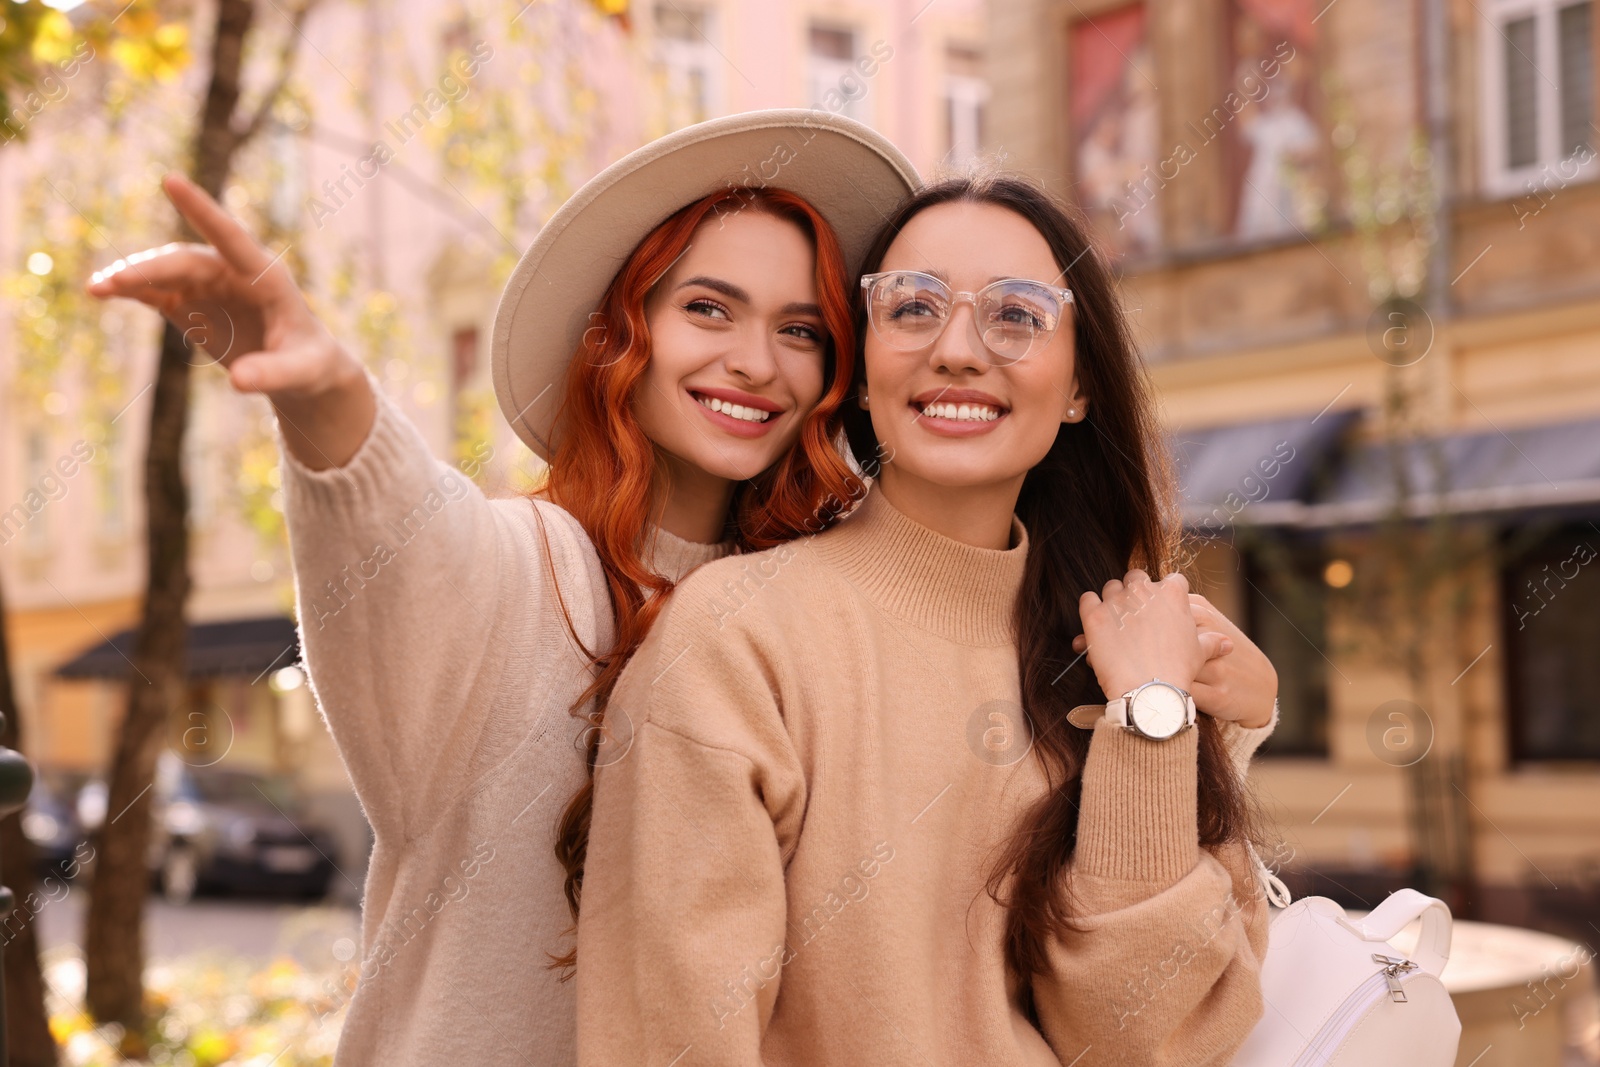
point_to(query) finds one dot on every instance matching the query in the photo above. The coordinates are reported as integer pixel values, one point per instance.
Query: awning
(236, 648)
(1479, 473)
(1238, 475)
(1260, 473)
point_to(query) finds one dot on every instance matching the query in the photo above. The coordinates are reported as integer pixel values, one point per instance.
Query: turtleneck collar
(672, 557)
(935, 582)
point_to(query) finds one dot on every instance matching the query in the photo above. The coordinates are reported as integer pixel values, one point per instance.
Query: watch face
(1159, 710)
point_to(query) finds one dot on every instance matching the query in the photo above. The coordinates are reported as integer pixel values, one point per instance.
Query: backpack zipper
(1394, 967)
(1342, 1021)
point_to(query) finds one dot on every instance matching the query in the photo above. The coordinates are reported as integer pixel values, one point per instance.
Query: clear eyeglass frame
(869, 283)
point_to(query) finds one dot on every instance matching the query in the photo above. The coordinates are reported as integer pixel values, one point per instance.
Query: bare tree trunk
(114, 940)
(28, 1037)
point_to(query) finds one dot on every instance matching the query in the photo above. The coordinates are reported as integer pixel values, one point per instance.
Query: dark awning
(1261, 473)
(1549, 466)
(237, 648)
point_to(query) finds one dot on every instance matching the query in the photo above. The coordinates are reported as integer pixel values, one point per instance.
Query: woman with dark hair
(677, 343)
(881, 812)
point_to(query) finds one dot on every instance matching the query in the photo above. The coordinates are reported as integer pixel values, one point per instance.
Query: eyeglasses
(1014, 316)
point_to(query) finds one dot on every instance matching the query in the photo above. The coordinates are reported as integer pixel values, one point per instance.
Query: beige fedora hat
(851, 174)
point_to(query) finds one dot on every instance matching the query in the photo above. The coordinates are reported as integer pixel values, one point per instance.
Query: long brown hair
(603, 467)
(1100, 502)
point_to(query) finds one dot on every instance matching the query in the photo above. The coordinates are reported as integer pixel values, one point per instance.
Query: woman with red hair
(677, 343)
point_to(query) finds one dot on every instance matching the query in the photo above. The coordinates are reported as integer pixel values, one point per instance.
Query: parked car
(233, 829)
(50, 821)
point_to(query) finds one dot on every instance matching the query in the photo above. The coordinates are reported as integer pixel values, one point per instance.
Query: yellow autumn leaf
(64, 1027)
(54, 41)
(139, 20)
(211, 1046)
(172, 37)
(161, 55)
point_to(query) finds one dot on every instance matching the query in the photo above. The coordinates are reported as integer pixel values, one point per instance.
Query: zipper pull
(1394, 966)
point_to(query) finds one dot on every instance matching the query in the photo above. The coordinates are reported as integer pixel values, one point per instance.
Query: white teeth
(737, 411)
(962, 412)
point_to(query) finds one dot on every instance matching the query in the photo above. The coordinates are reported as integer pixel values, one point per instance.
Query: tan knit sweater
(437, 652)
(788, 866)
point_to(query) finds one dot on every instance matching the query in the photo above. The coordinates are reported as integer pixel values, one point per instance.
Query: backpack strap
(1272, 886)
(1389, 918)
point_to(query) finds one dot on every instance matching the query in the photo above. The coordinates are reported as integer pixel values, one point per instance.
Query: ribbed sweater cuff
(1244, 740)
(369, 476)
(1137, 820)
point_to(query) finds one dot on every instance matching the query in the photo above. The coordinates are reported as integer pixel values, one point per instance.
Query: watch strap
(1084, 716)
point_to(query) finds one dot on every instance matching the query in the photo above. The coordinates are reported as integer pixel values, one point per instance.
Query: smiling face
(737, 349)
(949, 418)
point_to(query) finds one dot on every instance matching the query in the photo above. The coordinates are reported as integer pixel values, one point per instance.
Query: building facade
(370, 179)
(1382, 378)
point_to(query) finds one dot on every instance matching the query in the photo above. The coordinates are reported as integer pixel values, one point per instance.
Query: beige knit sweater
(788, 867)
(437, 652)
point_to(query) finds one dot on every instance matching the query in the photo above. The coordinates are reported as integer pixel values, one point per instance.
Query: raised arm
(430, 620)
(428, 614)
(681, 934)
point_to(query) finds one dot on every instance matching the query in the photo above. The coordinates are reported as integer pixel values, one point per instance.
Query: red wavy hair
(603, 467)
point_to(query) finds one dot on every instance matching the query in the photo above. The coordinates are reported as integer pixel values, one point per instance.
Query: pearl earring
(1072, 413)
(863, 401)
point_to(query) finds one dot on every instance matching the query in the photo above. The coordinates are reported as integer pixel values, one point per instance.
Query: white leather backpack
(1339, 995)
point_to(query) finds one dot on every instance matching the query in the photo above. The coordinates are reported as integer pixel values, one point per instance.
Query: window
(47, 487)
(112, 518)
(1551, 580)
(464, 392)
(288, 171)
(463, 357)
(1286, 616)
(471, 404)
(965, 92)
(1538, 62)
(1114, 118)
(455, 36)
(835, 84)
(197, 474)
(688, 62)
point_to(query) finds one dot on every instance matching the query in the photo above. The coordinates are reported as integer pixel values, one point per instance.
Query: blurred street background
(1360, 243)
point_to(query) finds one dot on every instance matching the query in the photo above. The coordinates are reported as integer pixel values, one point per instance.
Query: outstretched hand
(240, 303)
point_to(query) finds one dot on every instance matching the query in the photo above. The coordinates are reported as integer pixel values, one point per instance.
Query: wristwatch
(1157, 710)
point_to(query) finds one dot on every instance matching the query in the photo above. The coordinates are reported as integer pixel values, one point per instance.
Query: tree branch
(407, 179)
(286, 58)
